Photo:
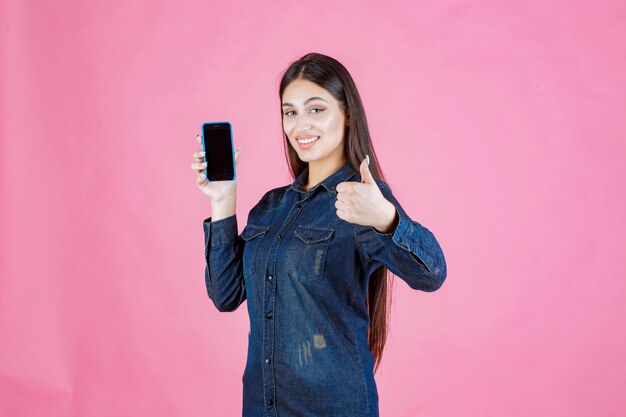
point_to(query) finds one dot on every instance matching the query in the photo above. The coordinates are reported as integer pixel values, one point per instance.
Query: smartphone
(217, 143)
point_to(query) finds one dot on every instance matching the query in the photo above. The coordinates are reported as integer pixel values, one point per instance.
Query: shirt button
(270, 277)
(269, 315)
(270, 402)
(279, 237)
(299, 206)
(267, 360)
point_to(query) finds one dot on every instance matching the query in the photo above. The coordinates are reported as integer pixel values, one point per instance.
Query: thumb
(366, 175)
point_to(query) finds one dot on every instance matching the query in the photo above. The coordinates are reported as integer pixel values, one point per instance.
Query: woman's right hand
(217, 191)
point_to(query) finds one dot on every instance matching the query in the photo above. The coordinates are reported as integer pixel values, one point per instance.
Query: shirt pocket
(252, 234)
(306, 255)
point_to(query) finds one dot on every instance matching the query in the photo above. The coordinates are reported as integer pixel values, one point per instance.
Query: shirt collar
(344, 173)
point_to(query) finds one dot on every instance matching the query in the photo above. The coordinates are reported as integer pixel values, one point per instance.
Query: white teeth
(308, 140)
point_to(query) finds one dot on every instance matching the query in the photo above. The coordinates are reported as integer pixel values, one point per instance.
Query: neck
(320, 170)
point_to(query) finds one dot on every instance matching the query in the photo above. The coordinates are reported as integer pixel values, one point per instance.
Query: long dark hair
(333, 76)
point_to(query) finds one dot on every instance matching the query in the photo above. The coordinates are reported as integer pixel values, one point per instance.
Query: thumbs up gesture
(363, 203)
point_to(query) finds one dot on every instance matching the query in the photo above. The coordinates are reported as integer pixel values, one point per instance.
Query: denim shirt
(305, 273)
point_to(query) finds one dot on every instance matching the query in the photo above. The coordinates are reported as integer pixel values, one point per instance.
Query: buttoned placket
(269, 303)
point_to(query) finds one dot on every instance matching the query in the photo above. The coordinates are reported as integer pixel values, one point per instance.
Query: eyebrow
(306, 101)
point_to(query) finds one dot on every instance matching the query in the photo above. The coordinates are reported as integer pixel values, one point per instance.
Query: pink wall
(500, 126)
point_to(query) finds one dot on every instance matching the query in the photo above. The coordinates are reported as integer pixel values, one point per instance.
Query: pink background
(499, 125)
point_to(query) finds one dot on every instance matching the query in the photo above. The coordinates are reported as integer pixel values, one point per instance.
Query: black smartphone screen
(217, 142)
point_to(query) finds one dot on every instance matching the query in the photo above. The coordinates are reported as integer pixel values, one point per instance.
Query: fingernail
(367, 158)
(197, 135)
(202, 153)
(204, 164)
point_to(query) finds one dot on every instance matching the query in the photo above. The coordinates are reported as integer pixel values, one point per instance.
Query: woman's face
(311, 111)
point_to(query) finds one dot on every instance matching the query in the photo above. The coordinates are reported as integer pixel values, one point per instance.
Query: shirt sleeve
(223, 273)
(410, 251)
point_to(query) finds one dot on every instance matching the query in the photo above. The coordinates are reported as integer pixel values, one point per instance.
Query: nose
(302, 124)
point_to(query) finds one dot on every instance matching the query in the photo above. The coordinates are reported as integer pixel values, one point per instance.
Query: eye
(314, 108)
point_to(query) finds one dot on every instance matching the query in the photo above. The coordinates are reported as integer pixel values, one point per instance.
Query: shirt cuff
(220, 232)
(405, 237)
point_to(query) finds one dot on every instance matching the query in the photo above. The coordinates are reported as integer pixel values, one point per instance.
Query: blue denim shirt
(305, 272)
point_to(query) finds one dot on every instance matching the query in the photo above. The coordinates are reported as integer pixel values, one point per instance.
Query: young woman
(313, 259)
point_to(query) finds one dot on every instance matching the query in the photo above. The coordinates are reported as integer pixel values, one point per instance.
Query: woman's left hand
(363, 203)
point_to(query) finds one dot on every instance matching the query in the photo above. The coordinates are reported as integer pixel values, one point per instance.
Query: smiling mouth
(309, 140)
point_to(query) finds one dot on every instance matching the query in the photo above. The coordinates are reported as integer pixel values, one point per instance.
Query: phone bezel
(232, 153)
